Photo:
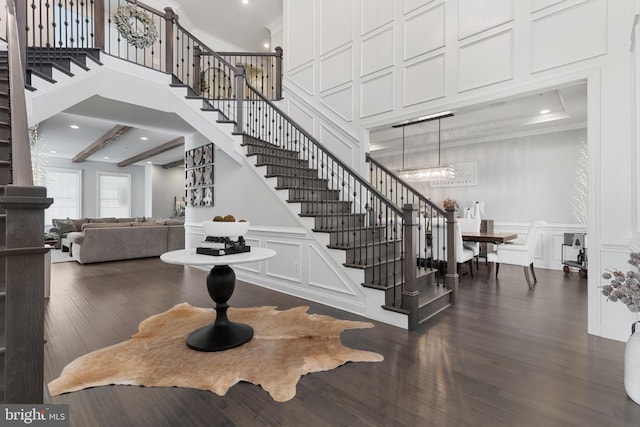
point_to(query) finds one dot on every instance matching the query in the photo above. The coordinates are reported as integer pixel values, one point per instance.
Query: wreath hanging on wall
(135, 26)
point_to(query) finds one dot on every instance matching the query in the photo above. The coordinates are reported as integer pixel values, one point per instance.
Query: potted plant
(625, 287)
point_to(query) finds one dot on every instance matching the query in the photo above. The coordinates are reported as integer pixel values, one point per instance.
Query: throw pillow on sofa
(79, 221)
(64, 225)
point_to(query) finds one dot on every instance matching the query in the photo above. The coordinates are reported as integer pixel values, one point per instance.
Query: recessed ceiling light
(149, 162)
(53, 151)
(106, 157)
(74, 126)
(545, 111)
(245, 1)
(144, 138)
(266, 45)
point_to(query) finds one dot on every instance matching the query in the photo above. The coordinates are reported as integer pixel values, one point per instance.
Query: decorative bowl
(225, 229)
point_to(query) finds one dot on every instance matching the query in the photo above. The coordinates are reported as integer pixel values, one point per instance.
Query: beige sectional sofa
(98, 242)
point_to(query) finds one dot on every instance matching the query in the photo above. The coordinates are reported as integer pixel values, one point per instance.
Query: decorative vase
(632, 364)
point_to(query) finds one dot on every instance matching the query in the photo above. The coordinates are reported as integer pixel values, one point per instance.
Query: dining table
(488, 236)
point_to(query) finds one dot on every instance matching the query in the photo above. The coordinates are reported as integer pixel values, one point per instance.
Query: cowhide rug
(286, 345)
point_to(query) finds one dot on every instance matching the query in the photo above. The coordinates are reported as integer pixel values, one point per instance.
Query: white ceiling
(566, 108)
(243, 25)
(97, 116)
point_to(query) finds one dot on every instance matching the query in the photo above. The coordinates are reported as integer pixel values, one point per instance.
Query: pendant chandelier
(426, 173)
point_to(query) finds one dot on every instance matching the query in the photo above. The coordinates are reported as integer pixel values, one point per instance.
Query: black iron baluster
(69, 25)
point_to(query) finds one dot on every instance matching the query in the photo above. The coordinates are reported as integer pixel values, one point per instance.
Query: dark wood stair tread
(331, 215)
(297, 187)
(375, 264)
(365, 245)
(349, 229)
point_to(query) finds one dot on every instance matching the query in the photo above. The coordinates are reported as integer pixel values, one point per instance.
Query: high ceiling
(245, 25)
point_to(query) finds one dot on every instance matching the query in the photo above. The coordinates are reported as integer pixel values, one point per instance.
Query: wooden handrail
(411, 189)
(356, 175)
(147, 8)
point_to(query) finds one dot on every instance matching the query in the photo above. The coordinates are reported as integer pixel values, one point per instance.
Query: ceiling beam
(150, 153)
(101, 142)
(173, 164)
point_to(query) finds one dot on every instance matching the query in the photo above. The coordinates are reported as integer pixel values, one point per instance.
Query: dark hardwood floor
(504, 356)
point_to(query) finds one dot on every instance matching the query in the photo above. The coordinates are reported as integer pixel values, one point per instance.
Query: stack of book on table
(218, 246)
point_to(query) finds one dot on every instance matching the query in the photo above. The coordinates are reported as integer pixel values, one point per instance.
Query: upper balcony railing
(143, 35)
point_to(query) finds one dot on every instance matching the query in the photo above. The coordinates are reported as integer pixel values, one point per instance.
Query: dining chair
(518, 254)
(471, 224)
(439, 245)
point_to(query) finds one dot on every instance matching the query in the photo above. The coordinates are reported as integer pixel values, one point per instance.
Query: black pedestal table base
(222, 334)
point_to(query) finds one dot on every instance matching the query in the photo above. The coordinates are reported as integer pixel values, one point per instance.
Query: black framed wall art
(199, 164)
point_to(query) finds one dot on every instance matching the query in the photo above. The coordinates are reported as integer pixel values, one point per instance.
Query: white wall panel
(323, 275)
(287, 264)
(410, 5)
(475, 16)
(336, 145)
(255, 267)
(486, 61)
(336, 69)
(300, 25)
(424, 32)
(255, 192)
(374, 14)
(340, 102)
(541, 4)
(336, 24)
(423, 81)
(377, 52)
(553, 45)
(304, 78)
(376, 95)
(301, 116)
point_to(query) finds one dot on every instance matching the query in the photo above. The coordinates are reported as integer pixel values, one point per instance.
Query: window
(114, 195)
(65, 187)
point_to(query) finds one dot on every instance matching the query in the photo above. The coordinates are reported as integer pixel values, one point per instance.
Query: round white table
(222, 334)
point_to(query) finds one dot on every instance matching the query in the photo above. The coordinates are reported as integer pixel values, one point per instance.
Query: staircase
(368, 245)
(43, 63)
(375, 233)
